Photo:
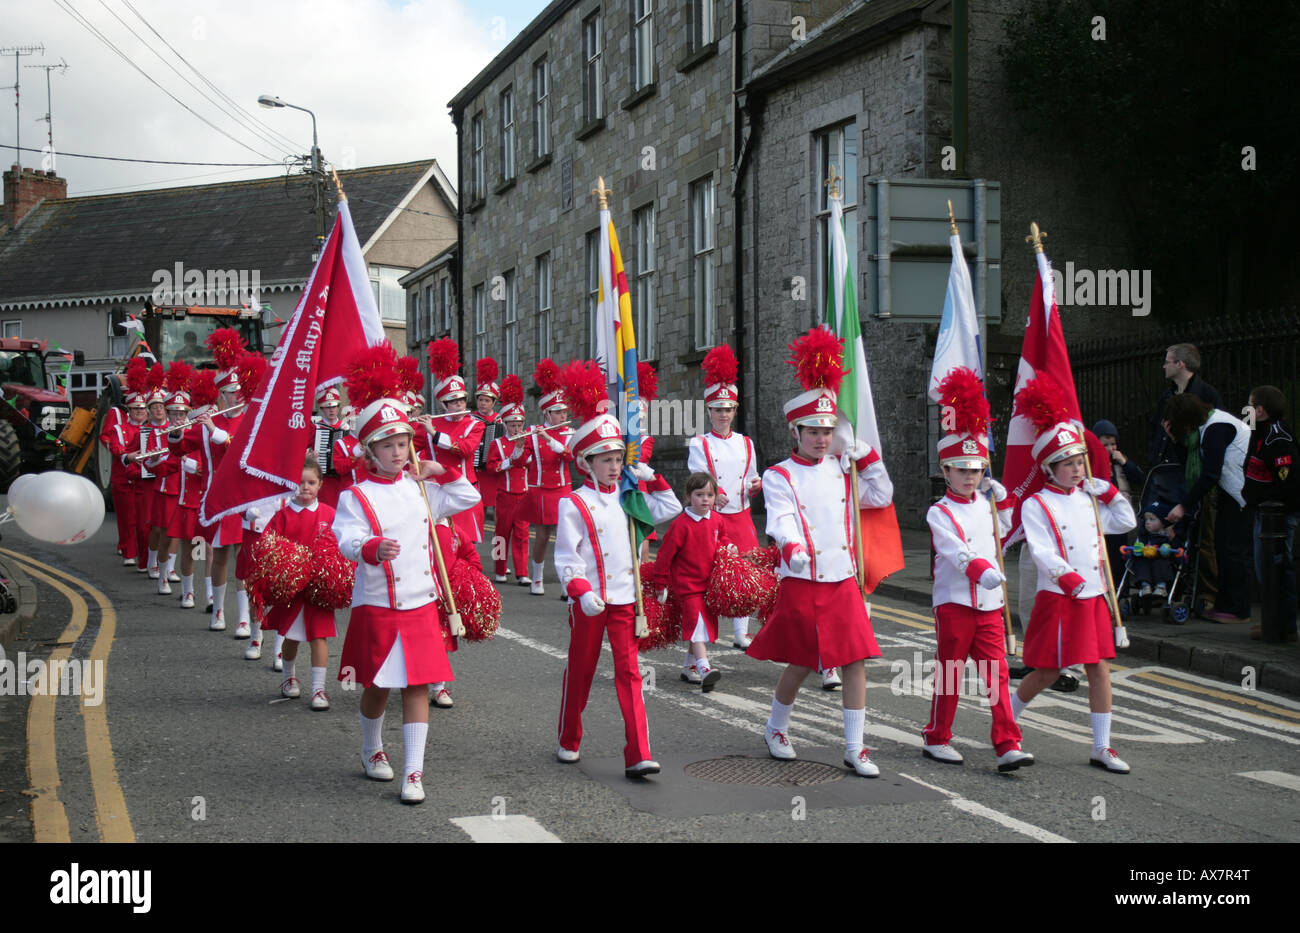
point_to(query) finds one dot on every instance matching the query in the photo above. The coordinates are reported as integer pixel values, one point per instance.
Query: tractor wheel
(11, 455)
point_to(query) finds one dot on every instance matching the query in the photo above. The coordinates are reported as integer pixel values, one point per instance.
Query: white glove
(555, 445)
(855, 453)
(219, 436)
(991, 579)
(1096, 486)
(442, 440)
(189, 465)
(505, 462)
(592, 605)
(253, 514)
(999, 491)
(799, 560)
(643, 472)
(663, 596)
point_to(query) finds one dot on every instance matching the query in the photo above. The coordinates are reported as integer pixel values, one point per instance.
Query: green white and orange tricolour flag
(882, 542)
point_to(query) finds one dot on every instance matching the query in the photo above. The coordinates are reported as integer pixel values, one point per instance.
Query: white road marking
(1278, 778)
(988, 813)
(512, 828)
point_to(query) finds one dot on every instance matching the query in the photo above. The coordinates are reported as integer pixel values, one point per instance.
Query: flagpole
(338, 184)
(454, 623)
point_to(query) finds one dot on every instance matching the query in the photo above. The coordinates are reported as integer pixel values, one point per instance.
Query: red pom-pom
(251, 370)
(512, 390)
(137, 374)
(444, 358)
(477, 601)
(720, 366)
(1042, 402)
(647, 382)
(765, 560)
(818, 359)
(547, 376)
(178, 374)
(202, 388)
(372, 375)
(281, 568)
(485, 371)
(227, 346)
(962, 392)
(585, 391)
(733, 586)
(409, 377)
(332, 575)
(663, 619)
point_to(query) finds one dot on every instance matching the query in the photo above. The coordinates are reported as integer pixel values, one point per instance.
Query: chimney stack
(25, 188)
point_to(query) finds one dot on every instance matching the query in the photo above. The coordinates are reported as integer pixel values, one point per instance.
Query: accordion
(324, 447)
(491, 431)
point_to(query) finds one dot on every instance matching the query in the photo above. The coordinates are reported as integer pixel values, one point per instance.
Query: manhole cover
(764, 772)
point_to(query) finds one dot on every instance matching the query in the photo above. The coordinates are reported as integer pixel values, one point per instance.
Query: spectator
(1182, 366)
(1271, 477)
(1216, 444)
(1128, 479)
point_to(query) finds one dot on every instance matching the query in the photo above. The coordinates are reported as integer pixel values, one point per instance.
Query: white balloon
(19, 482)
(62, 508)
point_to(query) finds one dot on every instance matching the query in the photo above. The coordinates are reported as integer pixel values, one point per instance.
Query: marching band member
(184, 525)
(151, 437)
(820, 620)
(647, 390)
(120, 435)
(329, 429)
(548, 470)
(486, 393)
(454, 436)
(1071, 621)
(508, 459)
(968, 596)
(394, 637)
(729, 458)
(165, 501)
(593, 557)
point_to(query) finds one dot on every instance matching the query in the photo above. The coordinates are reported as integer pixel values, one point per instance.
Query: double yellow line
(49, 817)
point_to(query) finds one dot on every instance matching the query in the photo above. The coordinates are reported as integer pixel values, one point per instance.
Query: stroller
(1164, 484)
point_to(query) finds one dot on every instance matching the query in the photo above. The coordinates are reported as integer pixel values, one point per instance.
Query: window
(510, 332)
(13, 328)
(837, 147)
(703, 300)
(430, 311)
(476, 170)
(541, 109)
(643, 43)
(508, 134)
(593, 288)
(119, 339)
(542, 268)
(390, 297)
(643, 280)
(701, 24)
(593, 97)
(412, 317)
(446, 305)
(480, 321)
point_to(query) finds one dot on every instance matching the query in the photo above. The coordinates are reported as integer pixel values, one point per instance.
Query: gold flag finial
(952, 224)
(338, 184)
(1036, 237)
(602, 193)
(833, 183)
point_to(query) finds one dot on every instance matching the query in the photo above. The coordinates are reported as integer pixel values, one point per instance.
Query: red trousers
(585, 635)
(963, 632)
(124, 509)
(511, 538)
(144, 494)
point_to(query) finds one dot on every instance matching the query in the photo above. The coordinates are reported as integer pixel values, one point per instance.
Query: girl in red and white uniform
(454, 436)
(1071, 621)
(593, 554)
(548, 470)
(184, 524)
(394, 637)
(968, 591)
(729, 458)
(508, 460)
(328, 424)
(167, 499)
(486, 393)
(820, 620)
(120, 435)
(152, 437)
(456, 549)
(302, 520)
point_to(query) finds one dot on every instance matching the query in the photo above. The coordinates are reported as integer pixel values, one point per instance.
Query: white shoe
(536, 588)
(218, 623)
(524, 581)
(691, 674)
(278, 664)
(320, 700)
(187, 601)
(128, 561)
(442, 698)
(708, 676)
(566, 756)
(153, 572)
(642, 769)
(778, 746)
(413, 789)
(174, 577)
(1106, 758)
(377, 766)
(831, 679)
(140, 569)
(741, 641)
(1160, 590)
(1013, 759)
(862, 765)
(254, 650)
(945, 753)
(164, 588)
(1144, 589)
(290, 688)
(499, 577)
(243, 630)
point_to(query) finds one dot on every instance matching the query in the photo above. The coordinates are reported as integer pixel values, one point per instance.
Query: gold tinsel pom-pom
(477, 601)
(332, 575)
(664, 619)
(281, 569)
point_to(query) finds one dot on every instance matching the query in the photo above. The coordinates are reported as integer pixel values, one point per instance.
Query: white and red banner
(1044, 351)
(336, 317)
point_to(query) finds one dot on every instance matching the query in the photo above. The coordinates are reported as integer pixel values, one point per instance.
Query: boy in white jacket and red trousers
(968, 593)
(593, 557)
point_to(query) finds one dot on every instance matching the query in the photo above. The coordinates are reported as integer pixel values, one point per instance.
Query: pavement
(23, 590)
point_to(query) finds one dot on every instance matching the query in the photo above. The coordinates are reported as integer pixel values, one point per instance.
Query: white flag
(959, 330)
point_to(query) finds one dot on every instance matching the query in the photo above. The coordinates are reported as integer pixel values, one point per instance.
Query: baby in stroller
(1154, 555)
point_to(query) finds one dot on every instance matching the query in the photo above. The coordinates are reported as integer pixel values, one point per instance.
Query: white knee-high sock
(290, 668)
(219, 597)
(153, 560)
(413, 737)
(740, 626)
(207, 586)
(1017, 705)
(317, 679)
(241, 600)
(372, 734)
(279, 644)
(1100, 729)
(187, 584)
(855, 722)
(167, 567)
(779, 721)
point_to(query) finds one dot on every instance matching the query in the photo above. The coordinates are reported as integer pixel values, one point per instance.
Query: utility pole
(17, 51)
(62, 66)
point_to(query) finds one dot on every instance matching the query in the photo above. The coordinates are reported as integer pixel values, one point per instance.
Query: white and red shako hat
(136, 378)
(328, 396)
(382, 418)
(136, 400)
(1043, 402)
(179, 400)
(818, 360)
(547, 377)
(157, 397)
(227, 380)
(964, 413)
(720, 367)
(1059, 442)
(583, 386)
(512, 399)
(444, 363)
(485, 378)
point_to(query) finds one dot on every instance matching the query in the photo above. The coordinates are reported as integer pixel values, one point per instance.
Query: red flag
(1043, 351)
(336, 316)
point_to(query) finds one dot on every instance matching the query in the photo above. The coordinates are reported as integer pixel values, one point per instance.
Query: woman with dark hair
(1216, 445)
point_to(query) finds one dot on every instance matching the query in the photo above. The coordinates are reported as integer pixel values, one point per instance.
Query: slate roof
(109, 246)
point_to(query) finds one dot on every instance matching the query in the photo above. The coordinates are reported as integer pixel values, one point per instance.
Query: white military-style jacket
(593, 547)
(729, 460)
(962, 533)
(808, 503)
(1061, 530)
(393, 507)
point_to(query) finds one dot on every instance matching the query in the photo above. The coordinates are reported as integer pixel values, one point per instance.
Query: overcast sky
(377, 74)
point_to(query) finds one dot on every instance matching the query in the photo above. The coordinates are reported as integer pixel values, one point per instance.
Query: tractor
(33, 417)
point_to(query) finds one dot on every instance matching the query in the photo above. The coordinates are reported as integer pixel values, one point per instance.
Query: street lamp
(273, 103)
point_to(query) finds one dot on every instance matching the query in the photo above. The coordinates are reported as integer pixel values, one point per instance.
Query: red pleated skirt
(542, 505)
(318, 622)
(739, 529)
(818, 625)
(372, 632)
(1064, 631)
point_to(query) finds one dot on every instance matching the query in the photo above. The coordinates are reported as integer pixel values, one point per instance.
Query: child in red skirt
(303, 519)
(508, 458)
(820, 619)
(1071, 621)
(548, 471)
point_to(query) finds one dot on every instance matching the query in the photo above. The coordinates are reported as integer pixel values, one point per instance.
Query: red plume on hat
(444, 358)
(720, 365)
(409, 377)
(372, 375)
(1043, 402)
(583, 386)
(962, 393)
(178, 374)
(647, 382)
(202, 388)
(818, 358)
(547, 376)
(485, 371)
(251, 368)
(512, 390)
(156, 377)
(227, 347)
(137, 375)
